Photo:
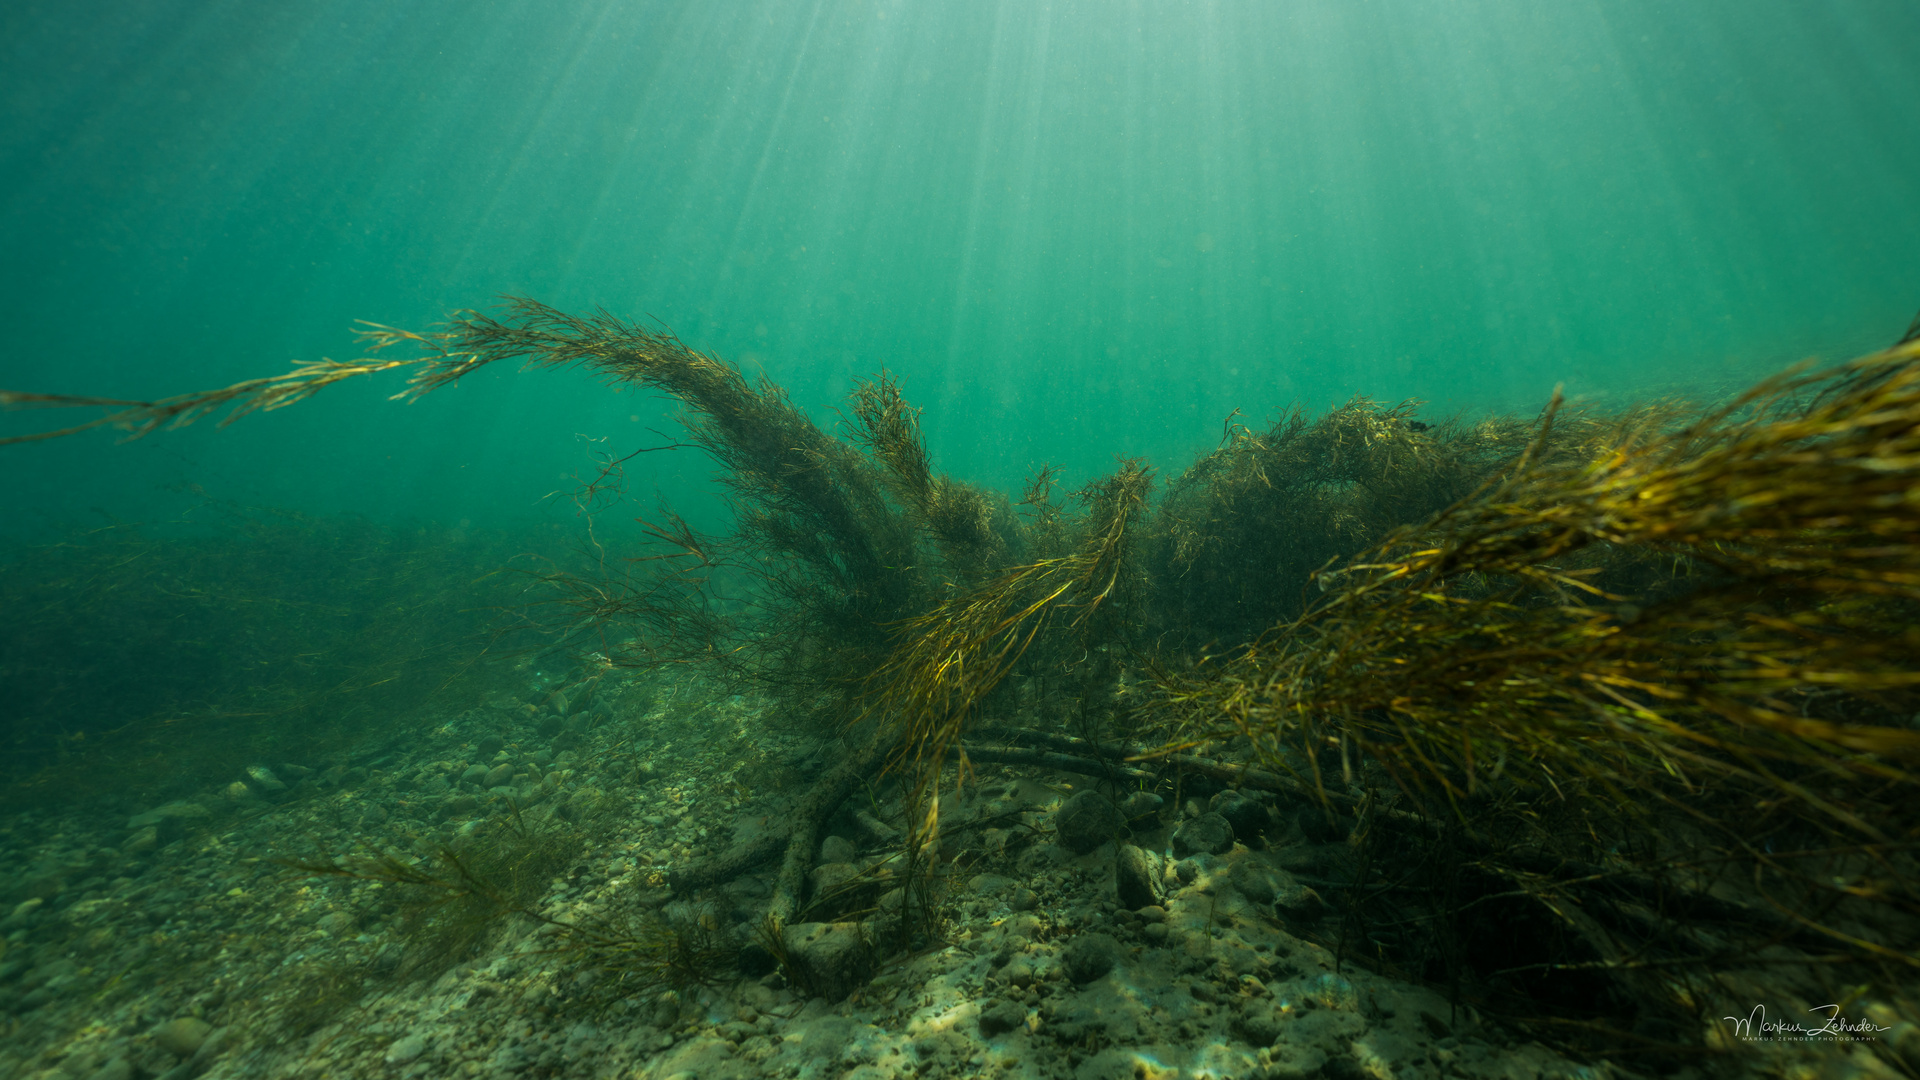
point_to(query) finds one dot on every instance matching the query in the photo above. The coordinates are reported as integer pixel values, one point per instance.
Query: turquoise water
(1074, 229)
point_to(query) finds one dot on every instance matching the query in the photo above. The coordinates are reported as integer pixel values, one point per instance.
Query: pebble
(1248, 817)
(1088, 820)
(182, 1036)
(1209, 833)
(1089, 956)
(264, 779)
(475, 774)
(1136, 877)
(1002, 1018)
(406, 1049)
(498, 776)
(22, 913)
(837, 849)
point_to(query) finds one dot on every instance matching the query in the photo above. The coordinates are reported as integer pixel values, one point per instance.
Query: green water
(1074, 229)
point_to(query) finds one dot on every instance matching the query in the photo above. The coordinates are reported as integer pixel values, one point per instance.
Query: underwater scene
(1003, 539)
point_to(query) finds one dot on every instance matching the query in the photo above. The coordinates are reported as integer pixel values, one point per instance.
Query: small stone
(1156, 933)
(1018, 972)
(1208, 833)
(1259, 1025)
(336, 923)
(1258, 881)
(238, 791)
(476, 775)
(1248, 817)
(825, 879)
(1299, 901)
(498, 776)
(1136, 877)
(405, 1050)
(1002, 1018)
(214, 1044)
(831, 959)
(1088, 820)
(1089, 956)
(1141, 804)
(263, 778)
(144, 840)
(1153, 913)
(183, 1036)
(117, 1069)
(1023, 900)
(837, 849)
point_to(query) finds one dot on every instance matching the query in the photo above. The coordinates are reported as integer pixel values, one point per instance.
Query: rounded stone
(405, 1050)
(182, 1036)
(1248, 817)
(1209, 833)
(1089, 956)
(1136, 876)
(1088, 820)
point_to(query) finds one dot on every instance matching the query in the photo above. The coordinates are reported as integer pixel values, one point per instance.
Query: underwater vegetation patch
(1597, 720)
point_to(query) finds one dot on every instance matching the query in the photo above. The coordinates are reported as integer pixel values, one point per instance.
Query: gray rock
(1259, 881)
(1298, 901)
(22, 913)
(837, 849)
(1089, 956)
(406, 1049)
(181, 1037)
(212, 1047)
(1248, 817)
(1136, 877)
(1141, 804)
(262, 779)
(1088, 820)
(1291, 1062)
(1260, 1025)
(117, 1069)
(173, 811)
(830, 959)
(825, 879)
(1208, 833)
(336, 923)
(1002, 1018)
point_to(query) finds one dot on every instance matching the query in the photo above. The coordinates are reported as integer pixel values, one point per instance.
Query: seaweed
(1653, 696)
(1636, 682)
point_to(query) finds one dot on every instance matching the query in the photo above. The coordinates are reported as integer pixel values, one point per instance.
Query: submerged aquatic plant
(1638, 682)
(1662, 688)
